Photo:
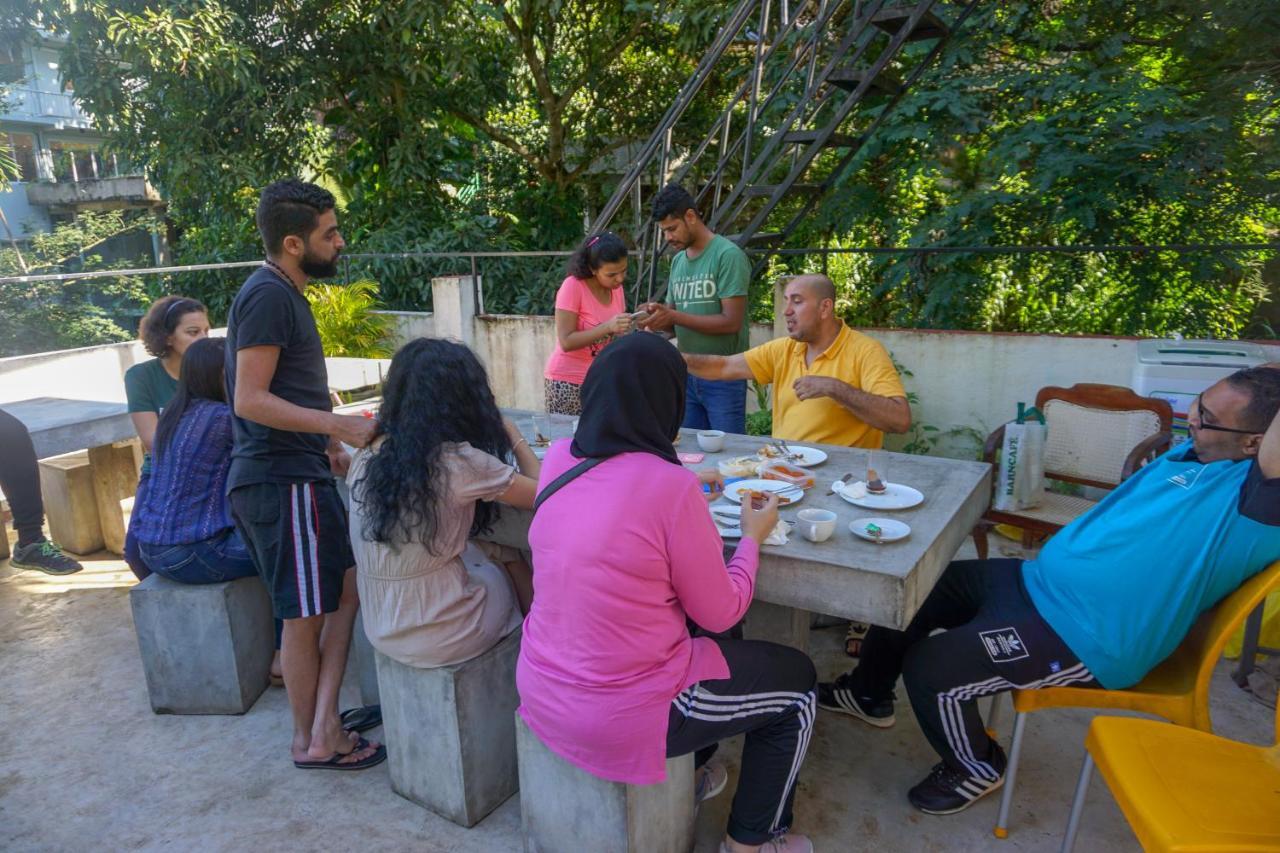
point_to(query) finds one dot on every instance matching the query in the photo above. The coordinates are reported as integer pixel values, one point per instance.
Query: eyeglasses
(1215, 427)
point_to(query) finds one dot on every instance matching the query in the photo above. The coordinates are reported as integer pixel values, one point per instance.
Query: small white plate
(791, 493)
(727, 531)
(890, 529)
(896, 496)
(804, 457)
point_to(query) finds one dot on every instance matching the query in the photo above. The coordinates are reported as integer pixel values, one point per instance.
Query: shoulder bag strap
(560, 482)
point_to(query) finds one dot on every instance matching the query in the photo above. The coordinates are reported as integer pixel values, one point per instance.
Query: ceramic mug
(816, 525)
(711, 440)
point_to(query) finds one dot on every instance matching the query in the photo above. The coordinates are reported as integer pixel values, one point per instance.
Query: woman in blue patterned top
(184, 525)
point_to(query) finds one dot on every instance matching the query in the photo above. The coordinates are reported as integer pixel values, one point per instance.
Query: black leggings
(994, 641)
(20, 479)
(769, 695)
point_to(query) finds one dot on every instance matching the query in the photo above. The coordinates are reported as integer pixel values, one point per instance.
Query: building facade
(63, 168)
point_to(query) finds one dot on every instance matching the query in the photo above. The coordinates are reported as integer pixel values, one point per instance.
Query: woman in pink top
(590, 310)
(626, 552)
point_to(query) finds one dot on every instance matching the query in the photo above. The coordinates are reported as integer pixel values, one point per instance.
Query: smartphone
(639, 316)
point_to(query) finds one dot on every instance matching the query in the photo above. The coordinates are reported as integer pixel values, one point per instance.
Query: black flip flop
(334, 762)
(361, 719)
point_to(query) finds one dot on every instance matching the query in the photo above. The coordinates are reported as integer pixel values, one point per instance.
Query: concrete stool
(451, 746)
(360, 658)
(71, 502)
(564, 808)
(206, 648)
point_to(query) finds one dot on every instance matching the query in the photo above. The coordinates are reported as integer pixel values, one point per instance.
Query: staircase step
(894, 18)
(807, 137)
(767, 190)
(886, 82)
(757, 238)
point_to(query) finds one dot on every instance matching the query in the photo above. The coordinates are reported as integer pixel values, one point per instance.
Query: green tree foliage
(501, 124)
(48, 315)
(1067, 123)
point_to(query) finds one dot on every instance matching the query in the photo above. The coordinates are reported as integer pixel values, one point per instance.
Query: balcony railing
(28, 103)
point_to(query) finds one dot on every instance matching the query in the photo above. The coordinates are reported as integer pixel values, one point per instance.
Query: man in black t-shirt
(288, 446)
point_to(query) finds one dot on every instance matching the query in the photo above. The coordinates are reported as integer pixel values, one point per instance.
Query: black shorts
(298, 538)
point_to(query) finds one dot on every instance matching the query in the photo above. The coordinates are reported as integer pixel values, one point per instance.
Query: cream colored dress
(426, 609)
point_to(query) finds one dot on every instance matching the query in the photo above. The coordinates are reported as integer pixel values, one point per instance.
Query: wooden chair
(1098, 435)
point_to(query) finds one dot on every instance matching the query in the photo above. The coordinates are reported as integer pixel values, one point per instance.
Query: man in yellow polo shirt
(832, 385)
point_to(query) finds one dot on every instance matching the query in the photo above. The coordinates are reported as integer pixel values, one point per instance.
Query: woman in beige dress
(430, 593)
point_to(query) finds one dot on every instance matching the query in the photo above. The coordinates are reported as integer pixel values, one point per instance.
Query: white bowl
(711, 440)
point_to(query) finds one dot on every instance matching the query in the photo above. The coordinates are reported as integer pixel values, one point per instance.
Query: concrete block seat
(565, 808)
(206, 648)
(451, 744)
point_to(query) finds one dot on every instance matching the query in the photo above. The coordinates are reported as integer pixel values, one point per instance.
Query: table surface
(884, 584)
(60, 425)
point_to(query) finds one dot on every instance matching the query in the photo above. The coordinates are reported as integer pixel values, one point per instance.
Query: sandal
(334, 762)
(361, 719)
(853, 639)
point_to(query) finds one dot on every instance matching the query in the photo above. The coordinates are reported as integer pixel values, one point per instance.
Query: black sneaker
(44, 556)
(947, 790)
(836, 696)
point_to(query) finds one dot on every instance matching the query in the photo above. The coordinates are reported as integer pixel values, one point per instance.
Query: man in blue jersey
(1108, 598)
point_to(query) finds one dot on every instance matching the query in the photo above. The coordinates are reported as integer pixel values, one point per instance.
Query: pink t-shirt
(623, 554)
(575, 295)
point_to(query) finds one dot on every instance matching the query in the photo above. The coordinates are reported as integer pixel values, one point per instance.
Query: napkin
(778, 536)
(856, 489)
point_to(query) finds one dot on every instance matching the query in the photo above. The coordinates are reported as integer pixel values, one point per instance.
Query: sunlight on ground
(101, 571)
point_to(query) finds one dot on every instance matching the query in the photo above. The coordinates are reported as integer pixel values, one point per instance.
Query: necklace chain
(281, 271)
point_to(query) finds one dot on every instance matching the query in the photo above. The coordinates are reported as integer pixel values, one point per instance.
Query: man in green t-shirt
(708, 307)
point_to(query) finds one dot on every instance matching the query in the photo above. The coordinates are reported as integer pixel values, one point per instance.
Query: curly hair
(436, 392)
(595, 252)
(672, 200)
(290, 208)
(162, 319)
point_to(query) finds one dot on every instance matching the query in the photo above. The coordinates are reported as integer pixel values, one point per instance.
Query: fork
(843, 480)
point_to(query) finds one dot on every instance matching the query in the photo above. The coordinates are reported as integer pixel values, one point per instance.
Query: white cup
(816, 525)
(711, 440)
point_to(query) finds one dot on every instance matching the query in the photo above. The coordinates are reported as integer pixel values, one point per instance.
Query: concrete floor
(85, 764)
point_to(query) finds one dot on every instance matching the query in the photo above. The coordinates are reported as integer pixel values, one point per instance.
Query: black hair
(200, 378)
(436, 392)
(1262, 384)
(595, 252)
(290, 208)
(672, 200)
(162, 319)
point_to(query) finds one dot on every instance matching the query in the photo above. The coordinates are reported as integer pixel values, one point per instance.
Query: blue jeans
(712, 404)
(224, 558)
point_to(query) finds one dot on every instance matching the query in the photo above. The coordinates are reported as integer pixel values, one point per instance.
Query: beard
(316, 267)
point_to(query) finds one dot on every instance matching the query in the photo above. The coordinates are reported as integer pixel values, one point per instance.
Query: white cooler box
(1177, 370)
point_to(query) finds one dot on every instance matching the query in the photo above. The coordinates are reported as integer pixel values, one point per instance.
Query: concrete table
(349, 374)
(60, 426)
(845, 576)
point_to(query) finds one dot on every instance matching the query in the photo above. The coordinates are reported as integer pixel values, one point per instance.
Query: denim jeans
(210, 561)
(712, 404)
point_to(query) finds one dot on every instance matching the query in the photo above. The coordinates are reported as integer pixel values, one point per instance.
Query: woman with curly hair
(171, 324)
(420, 493)
(590, 310)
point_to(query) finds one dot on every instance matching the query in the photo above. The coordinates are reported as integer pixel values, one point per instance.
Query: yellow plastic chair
(1177, 689)
(1184, 790)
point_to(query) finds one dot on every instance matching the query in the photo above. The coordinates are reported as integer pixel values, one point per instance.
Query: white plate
(806, 457)
(890, 529)
(722, 524)
(793, 493)
(896, 496)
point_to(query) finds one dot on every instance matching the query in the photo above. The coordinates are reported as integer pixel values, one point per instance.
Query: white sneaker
(790, 843)
(709, 780)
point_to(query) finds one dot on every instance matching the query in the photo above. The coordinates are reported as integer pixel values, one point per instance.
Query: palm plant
(346, 320)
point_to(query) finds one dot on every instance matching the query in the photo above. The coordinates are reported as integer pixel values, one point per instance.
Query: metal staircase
(816, 79)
